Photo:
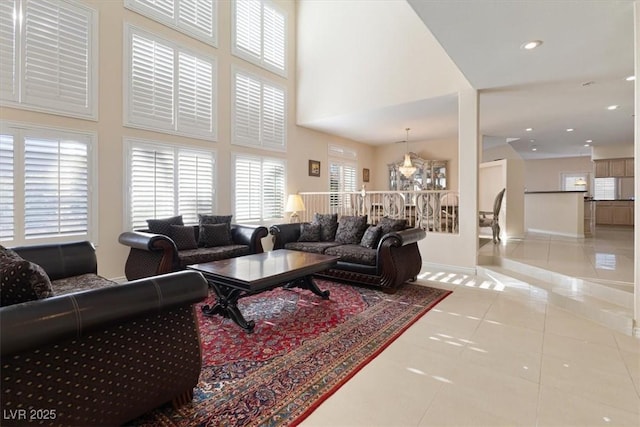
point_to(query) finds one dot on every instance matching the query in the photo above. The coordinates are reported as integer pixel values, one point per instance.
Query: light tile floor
(496, 354)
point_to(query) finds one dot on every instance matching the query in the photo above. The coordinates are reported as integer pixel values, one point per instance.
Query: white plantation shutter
(151, 91)
(195, 184)
(8, 49)
(248, 189)
(247, 110)
(273, 121)
(56, 188)
(195, 95)
(259, 34)
(169, 89)
(342, 178)
(274, 38)
(258, 113)
(166, 180)
(151, 190)
(196, 18)
(248, 27)
(48, 59)
(7, 191)
(259, 188)
(57, 48)
(272, 189)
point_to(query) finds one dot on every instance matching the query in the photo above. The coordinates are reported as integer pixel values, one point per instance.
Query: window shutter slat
(247, 107)
(195, 95)
(274, 38)
(259, 188)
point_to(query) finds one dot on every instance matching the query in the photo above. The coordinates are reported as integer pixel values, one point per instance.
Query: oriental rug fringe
(302, 350)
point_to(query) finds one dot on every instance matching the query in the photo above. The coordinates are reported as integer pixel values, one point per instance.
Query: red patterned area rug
(302, 350)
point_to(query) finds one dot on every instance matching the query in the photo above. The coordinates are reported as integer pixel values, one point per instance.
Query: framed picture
(365, 175)
(314, 168)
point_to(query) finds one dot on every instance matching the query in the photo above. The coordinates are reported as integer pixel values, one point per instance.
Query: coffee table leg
(307, 283)
(227, 306)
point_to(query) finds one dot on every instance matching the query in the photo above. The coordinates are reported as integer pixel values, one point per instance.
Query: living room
(108, 125)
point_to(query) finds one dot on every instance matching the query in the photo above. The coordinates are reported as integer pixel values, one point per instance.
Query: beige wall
(303, 144)
(544, 174)
(620, 151)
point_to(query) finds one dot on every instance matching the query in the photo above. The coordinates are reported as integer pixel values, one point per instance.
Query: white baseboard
(555, 233)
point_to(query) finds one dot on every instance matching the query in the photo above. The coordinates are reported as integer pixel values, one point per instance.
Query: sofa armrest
(250, 235)
(35, 324)
(402, 238)
(62, 260)
(151, 254)
(284, 233)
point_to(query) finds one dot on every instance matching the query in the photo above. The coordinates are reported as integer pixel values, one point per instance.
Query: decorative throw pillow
(214, 219)
(350, 229)
(328, 226)
(22, 281)
(163, 226)
(211, 219)
(184, 237)
(371, 237)
(215, 235)
(388, 224)
(309, 232)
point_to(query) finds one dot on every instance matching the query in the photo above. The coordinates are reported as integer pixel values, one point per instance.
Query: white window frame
(259, 57)
(174, 19)
(14, 51)
(234, 187)
(130, 143)
(566, 177)
(260, 140)
(20, 132)
(174, 125)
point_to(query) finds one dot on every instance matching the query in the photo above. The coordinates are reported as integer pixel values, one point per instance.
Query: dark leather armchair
(491, 219)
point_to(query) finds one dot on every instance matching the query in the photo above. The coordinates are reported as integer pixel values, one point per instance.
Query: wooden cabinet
(614, 168)
(429, 175)
(614, 213)
(629, 165)
(602, 168)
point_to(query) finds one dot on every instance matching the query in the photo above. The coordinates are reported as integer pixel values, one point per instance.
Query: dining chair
(491, 219)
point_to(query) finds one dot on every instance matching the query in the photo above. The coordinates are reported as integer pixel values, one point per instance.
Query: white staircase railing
(431, 210)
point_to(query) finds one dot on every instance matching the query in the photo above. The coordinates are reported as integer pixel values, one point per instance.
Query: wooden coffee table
(234, 278)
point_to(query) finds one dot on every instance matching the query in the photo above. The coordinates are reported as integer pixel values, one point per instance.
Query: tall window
(170, 89)
(46, 185)
(260, 34)
(48, 57)
(258, 112)
(197, 18)
(166, 180)
(342, 174)
(259, 188)
(578, 181)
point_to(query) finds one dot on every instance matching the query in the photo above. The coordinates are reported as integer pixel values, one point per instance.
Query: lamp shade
(294, 203)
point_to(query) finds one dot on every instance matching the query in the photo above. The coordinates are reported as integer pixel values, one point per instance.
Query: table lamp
(294, 205)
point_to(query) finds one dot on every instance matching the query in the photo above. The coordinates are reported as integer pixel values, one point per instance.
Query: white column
(637, 172)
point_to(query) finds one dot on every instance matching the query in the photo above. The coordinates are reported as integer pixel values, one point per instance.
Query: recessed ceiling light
(529, 129)
(612, 107)
(532, 140)
(531, 45)
(569, 129)
(587, 145)
(630, 78)
(534, 149)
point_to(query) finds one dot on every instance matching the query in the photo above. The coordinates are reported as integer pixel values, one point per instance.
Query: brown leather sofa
(101, 356)
(394, 260)
(152, 254)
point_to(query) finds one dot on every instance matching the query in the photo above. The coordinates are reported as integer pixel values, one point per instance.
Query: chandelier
(407, 169)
